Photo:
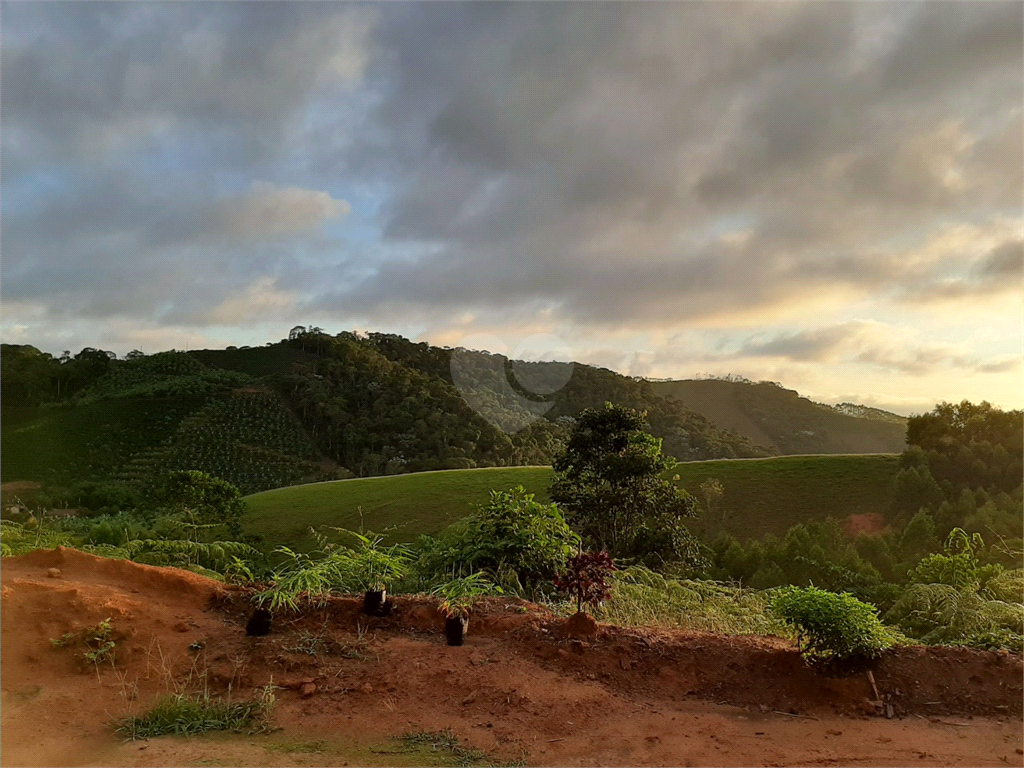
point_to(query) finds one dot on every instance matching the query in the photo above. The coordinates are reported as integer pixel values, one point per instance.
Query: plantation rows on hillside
(330, 406)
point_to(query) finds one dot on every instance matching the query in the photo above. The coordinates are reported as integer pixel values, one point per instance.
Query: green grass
(761, 496)
(413, 504)
(772, 495)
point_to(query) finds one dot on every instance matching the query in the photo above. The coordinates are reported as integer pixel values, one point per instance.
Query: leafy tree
(609, 481)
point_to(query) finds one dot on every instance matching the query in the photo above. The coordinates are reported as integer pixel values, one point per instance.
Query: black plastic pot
(455, 628)
(259, 623)
(374, 602)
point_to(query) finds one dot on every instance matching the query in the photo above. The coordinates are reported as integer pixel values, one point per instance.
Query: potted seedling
(586, 579)
(457, 598)
(374, 567)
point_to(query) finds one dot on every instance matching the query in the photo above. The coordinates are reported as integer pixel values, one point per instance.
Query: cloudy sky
(825, 194)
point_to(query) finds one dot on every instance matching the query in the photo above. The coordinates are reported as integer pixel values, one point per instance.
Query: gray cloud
(83, 81)
(1000, 271)
(623, 165)
(590, 155)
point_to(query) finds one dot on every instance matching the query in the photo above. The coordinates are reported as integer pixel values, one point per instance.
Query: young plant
(373, 567)
(98, 641)
(458, 595)
(302, 579)
(587, 578)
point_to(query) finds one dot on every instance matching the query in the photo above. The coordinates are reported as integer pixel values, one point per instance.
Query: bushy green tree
(832, 626)
(609, 481)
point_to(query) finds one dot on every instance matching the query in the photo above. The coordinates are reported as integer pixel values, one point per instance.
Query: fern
(942, 614)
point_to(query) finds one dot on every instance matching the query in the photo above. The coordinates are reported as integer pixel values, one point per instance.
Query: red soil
(870, 524)
(519, 688)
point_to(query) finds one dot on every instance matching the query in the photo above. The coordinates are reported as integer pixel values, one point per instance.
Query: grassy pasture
(413, 504)
(761, 496)
(771, 495)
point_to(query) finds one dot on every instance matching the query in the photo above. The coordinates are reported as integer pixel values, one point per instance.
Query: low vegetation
(186, 714)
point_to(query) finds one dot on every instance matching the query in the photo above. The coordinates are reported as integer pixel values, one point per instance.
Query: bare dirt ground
(519, 690)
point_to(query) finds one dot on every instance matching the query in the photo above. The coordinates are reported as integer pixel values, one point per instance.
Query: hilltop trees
(964, 465)
(609, 482)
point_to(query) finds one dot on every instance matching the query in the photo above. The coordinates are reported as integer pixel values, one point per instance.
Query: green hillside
(64, 444)
(761, 496)
(413, 504)
(311, 407)
(781, 420)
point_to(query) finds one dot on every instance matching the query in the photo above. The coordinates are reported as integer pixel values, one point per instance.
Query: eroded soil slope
(519, 690)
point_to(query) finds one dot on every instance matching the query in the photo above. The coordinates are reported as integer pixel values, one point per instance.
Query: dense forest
(310, 407)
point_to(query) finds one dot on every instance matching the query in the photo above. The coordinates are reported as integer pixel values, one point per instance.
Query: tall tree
(610, 483)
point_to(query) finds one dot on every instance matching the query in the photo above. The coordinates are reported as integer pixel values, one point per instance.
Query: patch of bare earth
(519, 689)
(868, 524)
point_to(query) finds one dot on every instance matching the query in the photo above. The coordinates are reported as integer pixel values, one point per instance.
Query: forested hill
(781, 420)
(308, 408)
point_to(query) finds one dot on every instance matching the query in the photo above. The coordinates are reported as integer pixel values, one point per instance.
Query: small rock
(307, 689)
(562, 653)
(181, 626)
(888, 710)
(54, 573)
(471, 698)
(1019, 751)
(867, 706)
(625, 663)
(366, 688)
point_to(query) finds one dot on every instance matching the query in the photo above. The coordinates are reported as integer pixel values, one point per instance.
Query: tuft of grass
(446, 743)
(187, 714)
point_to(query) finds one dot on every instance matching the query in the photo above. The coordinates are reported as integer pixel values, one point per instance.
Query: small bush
(832, 627)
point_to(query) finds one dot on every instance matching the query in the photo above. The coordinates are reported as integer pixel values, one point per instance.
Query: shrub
(831, 627)
(517, 540)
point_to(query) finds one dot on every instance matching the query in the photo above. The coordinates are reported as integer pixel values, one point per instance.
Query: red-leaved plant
(586, 577)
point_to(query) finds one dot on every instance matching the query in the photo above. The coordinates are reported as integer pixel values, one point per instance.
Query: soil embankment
(519, 689)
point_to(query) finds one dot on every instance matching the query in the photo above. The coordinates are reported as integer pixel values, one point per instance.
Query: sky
(823, 194)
